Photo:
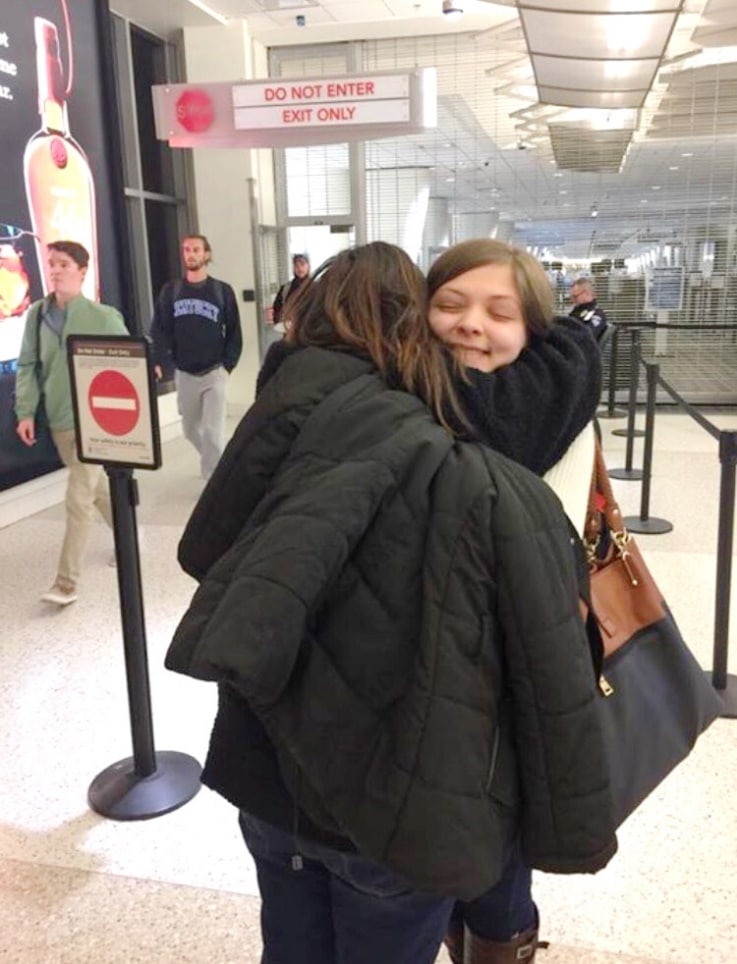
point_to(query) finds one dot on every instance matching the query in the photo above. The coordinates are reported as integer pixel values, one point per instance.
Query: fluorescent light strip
(209, 11)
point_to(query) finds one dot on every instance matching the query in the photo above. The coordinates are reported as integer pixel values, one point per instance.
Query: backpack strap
(177, 287)
(39, 322)
(219, 294)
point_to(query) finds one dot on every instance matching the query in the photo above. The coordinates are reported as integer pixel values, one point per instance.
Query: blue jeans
(338, 908)
(505, 909)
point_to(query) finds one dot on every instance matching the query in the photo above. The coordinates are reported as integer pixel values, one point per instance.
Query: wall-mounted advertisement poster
(55, 183)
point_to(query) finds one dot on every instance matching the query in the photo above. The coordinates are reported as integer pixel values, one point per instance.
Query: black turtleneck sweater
(533, 409)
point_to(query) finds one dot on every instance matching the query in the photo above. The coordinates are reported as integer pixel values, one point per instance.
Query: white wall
(221, 185)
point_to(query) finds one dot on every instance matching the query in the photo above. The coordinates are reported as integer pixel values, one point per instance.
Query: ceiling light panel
(601, 6)
(629, 36)
(613, 75)
(581, 150)
(605, 100)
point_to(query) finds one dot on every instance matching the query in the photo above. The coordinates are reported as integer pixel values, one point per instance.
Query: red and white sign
(195, 110)
(289, 112)
(115, 412)
(114, 402)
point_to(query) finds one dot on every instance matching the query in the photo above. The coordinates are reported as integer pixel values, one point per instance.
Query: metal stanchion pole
(611, 410)
(147, 784)
(628, 473)
(723, 682)
(643, 523)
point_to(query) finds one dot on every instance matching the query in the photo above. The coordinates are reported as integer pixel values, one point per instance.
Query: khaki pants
(87, 487)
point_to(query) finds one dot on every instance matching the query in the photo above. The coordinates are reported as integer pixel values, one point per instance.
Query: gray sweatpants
(201, 403)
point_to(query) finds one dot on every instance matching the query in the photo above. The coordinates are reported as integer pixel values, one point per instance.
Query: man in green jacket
(43, 374)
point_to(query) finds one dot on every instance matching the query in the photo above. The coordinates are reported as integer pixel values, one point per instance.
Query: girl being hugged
(529, 384)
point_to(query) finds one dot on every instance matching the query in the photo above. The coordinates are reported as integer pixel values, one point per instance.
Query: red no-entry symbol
(195, 110)
(114, 402)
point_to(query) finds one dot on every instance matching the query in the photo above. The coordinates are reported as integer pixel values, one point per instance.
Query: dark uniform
(592, 315)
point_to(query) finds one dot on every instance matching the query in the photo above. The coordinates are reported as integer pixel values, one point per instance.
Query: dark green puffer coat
(399, 613)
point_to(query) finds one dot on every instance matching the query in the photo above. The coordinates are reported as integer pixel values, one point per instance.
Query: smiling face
(479, 315)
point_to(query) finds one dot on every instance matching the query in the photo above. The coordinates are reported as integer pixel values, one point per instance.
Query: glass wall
(501, 164)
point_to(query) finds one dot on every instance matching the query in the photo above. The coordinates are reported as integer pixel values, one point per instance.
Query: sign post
(116, 425)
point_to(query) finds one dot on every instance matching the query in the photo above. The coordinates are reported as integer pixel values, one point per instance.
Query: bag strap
(601, 487)
(39, 322)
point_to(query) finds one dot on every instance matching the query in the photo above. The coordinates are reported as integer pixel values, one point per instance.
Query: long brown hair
(533, 287)
(372, 299)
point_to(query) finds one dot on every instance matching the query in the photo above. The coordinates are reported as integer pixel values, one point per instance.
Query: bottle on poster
(60, 188)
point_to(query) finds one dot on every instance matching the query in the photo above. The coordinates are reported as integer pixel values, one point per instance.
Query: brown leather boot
(520, 950)
(454, 941)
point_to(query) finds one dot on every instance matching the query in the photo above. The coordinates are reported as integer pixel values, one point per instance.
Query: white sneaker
(61, 595)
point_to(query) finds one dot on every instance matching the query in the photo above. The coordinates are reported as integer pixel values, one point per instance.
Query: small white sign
(112, 389)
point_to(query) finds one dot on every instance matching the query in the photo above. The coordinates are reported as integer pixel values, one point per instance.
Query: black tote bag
(655, 700)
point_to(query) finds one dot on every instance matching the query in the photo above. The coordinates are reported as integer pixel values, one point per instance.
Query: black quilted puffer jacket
(392, 618)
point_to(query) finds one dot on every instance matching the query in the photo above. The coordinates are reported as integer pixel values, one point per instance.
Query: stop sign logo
(195, 111)
(114, 402)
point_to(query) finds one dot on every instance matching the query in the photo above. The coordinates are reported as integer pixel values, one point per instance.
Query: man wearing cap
(301, 268)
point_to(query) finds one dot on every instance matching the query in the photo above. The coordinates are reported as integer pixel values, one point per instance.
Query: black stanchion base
(623, 433)
(729, 697)
(615, 413)
(119, 793)
(629, 475)
(648, 527)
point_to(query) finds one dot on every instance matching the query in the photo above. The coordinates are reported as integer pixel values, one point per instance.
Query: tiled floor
(78, 888)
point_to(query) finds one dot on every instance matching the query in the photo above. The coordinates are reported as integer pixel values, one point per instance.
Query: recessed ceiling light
(643, 200)
(562, 192)
(450, 180)
(687, 154)
(558, 174)
(673, 167)
(656, 187)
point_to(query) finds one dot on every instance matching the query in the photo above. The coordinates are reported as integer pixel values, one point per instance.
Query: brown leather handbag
(655, 700)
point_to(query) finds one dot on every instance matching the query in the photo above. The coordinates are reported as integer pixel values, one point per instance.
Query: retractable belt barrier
(725, 683)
